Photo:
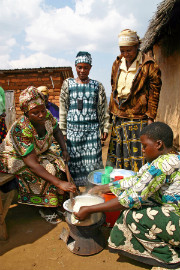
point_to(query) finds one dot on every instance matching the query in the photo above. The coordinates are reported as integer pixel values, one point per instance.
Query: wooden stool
(4, 178)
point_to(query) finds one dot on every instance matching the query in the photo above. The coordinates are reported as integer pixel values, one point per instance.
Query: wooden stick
(70, 180)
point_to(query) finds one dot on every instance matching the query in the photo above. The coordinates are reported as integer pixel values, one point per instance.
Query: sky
(49, 33)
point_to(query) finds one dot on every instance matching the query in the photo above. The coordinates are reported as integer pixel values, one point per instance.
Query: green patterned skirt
(33, 190)
(150, 235)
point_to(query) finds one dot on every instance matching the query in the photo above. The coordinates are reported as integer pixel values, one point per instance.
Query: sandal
(60, 212)
(50, 216)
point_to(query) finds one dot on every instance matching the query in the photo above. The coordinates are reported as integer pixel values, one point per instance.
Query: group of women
(148, 228)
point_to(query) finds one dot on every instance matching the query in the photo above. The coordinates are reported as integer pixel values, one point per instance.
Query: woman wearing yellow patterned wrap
(136, 85)
(25, 153)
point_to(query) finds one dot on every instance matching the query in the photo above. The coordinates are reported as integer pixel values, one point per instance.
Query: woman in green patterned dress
(148, 228)
(25, 153)
(84, 120)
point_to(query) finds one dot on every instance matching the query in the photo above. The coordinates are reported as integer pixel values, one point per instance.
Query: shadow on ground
(24, 226)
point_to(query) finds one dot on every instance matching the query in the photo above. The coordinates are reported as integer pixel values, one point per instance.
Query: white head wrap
(128, 37)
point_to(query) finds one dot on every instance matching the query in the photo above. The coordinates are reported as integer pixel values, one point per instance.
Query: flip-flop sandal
(60, 212)
(51, 218)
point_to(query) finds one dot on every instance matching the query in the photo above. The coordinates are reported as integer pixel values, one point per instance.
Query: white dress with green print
(149, 230)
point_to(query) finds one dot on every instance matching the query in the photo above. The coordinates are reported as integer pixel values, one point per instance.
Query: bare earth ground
(34, 244)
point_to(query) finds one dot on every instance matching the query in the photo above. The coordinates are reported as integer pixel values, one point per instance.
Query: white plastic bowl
(87, 199)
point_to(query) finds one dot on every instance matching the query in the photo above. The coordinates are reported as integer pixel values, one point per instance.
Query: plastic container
(111, 217)
(120, 172)
(97, 177)
(108, 169)
(105, 179)
(117, 178)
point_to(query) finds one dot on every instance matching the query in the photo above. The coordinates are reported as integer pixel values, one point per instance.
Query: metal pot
(84, 200)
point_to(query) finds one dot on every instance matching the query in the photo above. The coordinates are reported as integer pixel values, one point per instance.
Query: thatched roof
(163, 22)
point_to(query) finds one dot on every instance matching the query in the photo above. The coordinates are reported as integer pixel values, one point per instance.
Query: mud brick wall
(20, 79)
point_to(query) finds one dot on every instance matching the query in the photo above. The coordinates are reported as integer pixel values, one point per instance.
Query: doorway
(10, 108)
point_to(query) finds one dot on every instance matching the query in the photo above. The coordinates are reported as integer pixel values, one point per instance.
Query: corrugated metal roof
(36, 69)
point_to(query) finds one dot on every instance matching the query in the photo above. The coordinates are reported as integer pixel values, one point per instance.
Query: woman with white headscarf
(136, 84)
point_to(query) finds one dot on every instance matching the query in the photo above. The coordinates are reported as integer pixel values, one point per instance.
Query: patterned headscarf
(30, 98)
(128, 37)
(83, 57)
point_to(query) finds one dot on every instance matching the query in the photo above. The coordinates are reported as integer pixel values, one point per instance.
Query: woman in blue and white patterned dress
(84, 120)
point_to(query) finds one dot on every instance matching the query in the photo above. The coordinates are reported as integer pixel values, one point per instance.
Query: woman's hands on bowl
(82, 214)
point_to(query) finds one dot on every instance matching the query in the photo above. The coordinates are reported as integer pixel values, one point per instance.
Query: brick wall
(20, 79)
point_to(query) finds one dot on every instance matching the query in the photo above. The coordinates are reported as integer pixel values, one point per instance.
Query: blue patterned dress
(83, 134)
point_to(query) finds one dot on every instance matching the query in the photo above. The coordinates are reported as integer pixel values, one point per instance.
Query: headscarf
(128, 37)
(30, 98)
(83, 57)
(44, 90)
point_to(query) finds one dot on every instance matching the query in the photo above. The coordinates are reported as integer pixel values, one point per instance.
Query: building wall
(20, 79)
(169, 105)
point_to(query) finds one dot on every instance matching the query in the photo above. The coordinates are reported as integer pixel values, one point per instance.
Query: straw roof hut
(165, 23)
(162, 41)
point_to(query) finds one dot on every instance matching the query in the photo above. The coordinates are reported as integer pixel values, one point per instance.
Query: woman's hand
(104, 136)
(31, 161)
(66, 156)
(66, 186)
(99, 189)
(95, 190)
(83, 213)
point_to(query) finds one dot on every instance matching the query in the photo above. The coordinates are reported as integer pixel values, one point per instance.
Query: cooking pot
(83, 200)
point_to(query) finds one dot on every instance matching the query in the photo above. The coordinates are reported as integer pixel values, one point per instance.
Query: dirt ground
(34, 244)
